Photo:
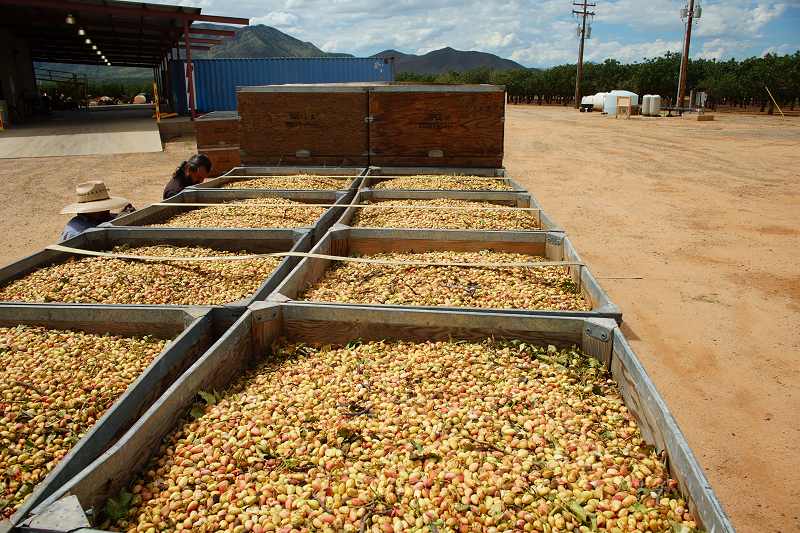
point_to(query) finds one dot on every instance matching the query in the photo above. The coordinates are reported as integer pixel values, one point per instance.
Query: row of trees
(727, 82)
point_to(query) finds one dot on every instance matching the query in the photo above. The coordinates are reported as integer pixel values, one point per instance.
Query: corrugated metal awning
(128, 34)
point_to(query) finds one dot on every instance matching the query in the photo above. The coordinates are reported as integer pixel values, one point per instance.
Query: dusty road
(691, 227)
(706, 213)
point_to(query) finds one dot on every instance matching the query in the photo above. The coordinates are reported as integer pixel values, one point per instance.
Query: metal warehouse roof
(128, 34)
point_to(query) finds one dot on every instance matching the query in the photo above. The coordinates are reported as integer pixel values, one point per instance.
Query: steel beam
(200, 41)
(140, 12)
(84, 22)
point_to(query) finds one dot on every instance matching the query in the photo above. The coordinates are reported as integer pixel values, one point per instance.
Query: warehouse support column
(171, 81)
(182, 81)
(189, 68)
(165, 80)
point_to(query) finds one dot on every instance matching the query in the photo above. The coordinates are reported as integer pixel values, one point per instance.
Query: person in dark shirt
(93, 207)
(191, 172)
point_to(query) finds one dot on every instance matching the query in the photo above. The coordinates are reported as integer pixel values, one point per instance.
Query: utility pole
(583, 13)
(691, 13)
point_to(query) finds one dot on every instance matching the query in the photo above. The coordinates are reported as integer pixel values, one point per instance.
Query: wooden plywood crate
(252, 338)
(256, 241)
(223, 160)
(321, 125)
(437, 125)
(343, 241)
(494, 198)
(219, 129)
(193, 331)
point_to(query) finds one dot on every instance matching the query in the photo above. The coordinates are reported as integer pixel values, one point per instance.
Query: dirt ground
(692, 228)
(706, 214)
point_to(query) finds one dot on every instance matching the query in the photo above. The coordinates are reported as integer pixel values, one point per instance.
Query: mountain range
(447, 59)
(261, 41)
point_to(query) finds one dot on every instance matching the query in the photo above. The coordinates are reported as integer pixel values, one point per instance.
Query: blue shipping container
(216, 79)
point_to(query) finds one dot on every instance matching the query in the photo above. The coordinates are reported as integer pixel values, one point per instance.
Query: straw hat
(93, 197)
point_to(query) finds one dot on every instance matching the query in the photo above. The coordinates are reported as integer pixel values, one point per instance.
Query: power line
(583, 13)
(729, 26)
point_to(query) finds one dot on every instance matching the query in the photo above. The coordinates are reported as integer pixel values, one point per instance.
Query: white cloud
(498, 41)
(536, 33)
(717, 49)
(277, 19)
(330, 47)
(761, 16)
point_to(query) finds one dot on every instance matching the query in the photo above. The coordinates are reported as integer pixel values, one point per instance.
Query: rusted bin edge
(252, 335)
(376, 175)
(239, 174)
(517, 198)
(256, 241)
(194, 327)
(344, 240)
(158, 213)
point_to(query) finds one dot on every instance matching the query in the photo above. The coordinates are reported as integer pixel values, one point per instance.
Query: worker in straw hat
(93, 207)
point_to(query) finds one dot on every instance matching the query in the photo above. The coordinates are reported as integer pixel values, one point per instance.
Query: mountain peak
(447, 59)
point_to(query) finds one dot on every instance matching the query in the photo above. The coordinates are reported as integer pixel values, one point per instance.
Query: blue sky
(539, 33)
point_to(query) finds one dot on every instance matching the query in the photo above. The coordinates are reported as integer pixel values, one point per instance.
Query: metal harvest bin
(256, 241)
(377, 174)
(195, 334)
(349, 176)
(499, 198)
(252, 336)
(344, 241)
(159, 213)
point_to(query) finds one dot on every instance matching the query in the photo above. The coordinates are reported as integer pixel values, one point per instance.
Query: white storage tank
(646, 104)
(610, 104)
(598, 100)
(655, 105)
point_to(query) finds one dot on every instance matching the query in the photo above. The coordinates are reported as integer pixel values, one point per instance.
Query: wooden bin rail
(345, 241)
(253, 334)
(158, 213)
(248, 173)
(258, 241)
(521, 200)
(195, 334)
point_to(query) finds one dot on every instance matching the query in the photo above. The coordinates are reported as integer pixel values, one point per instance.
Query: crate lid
(219, 115)
(306, 88)
(443, 88)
